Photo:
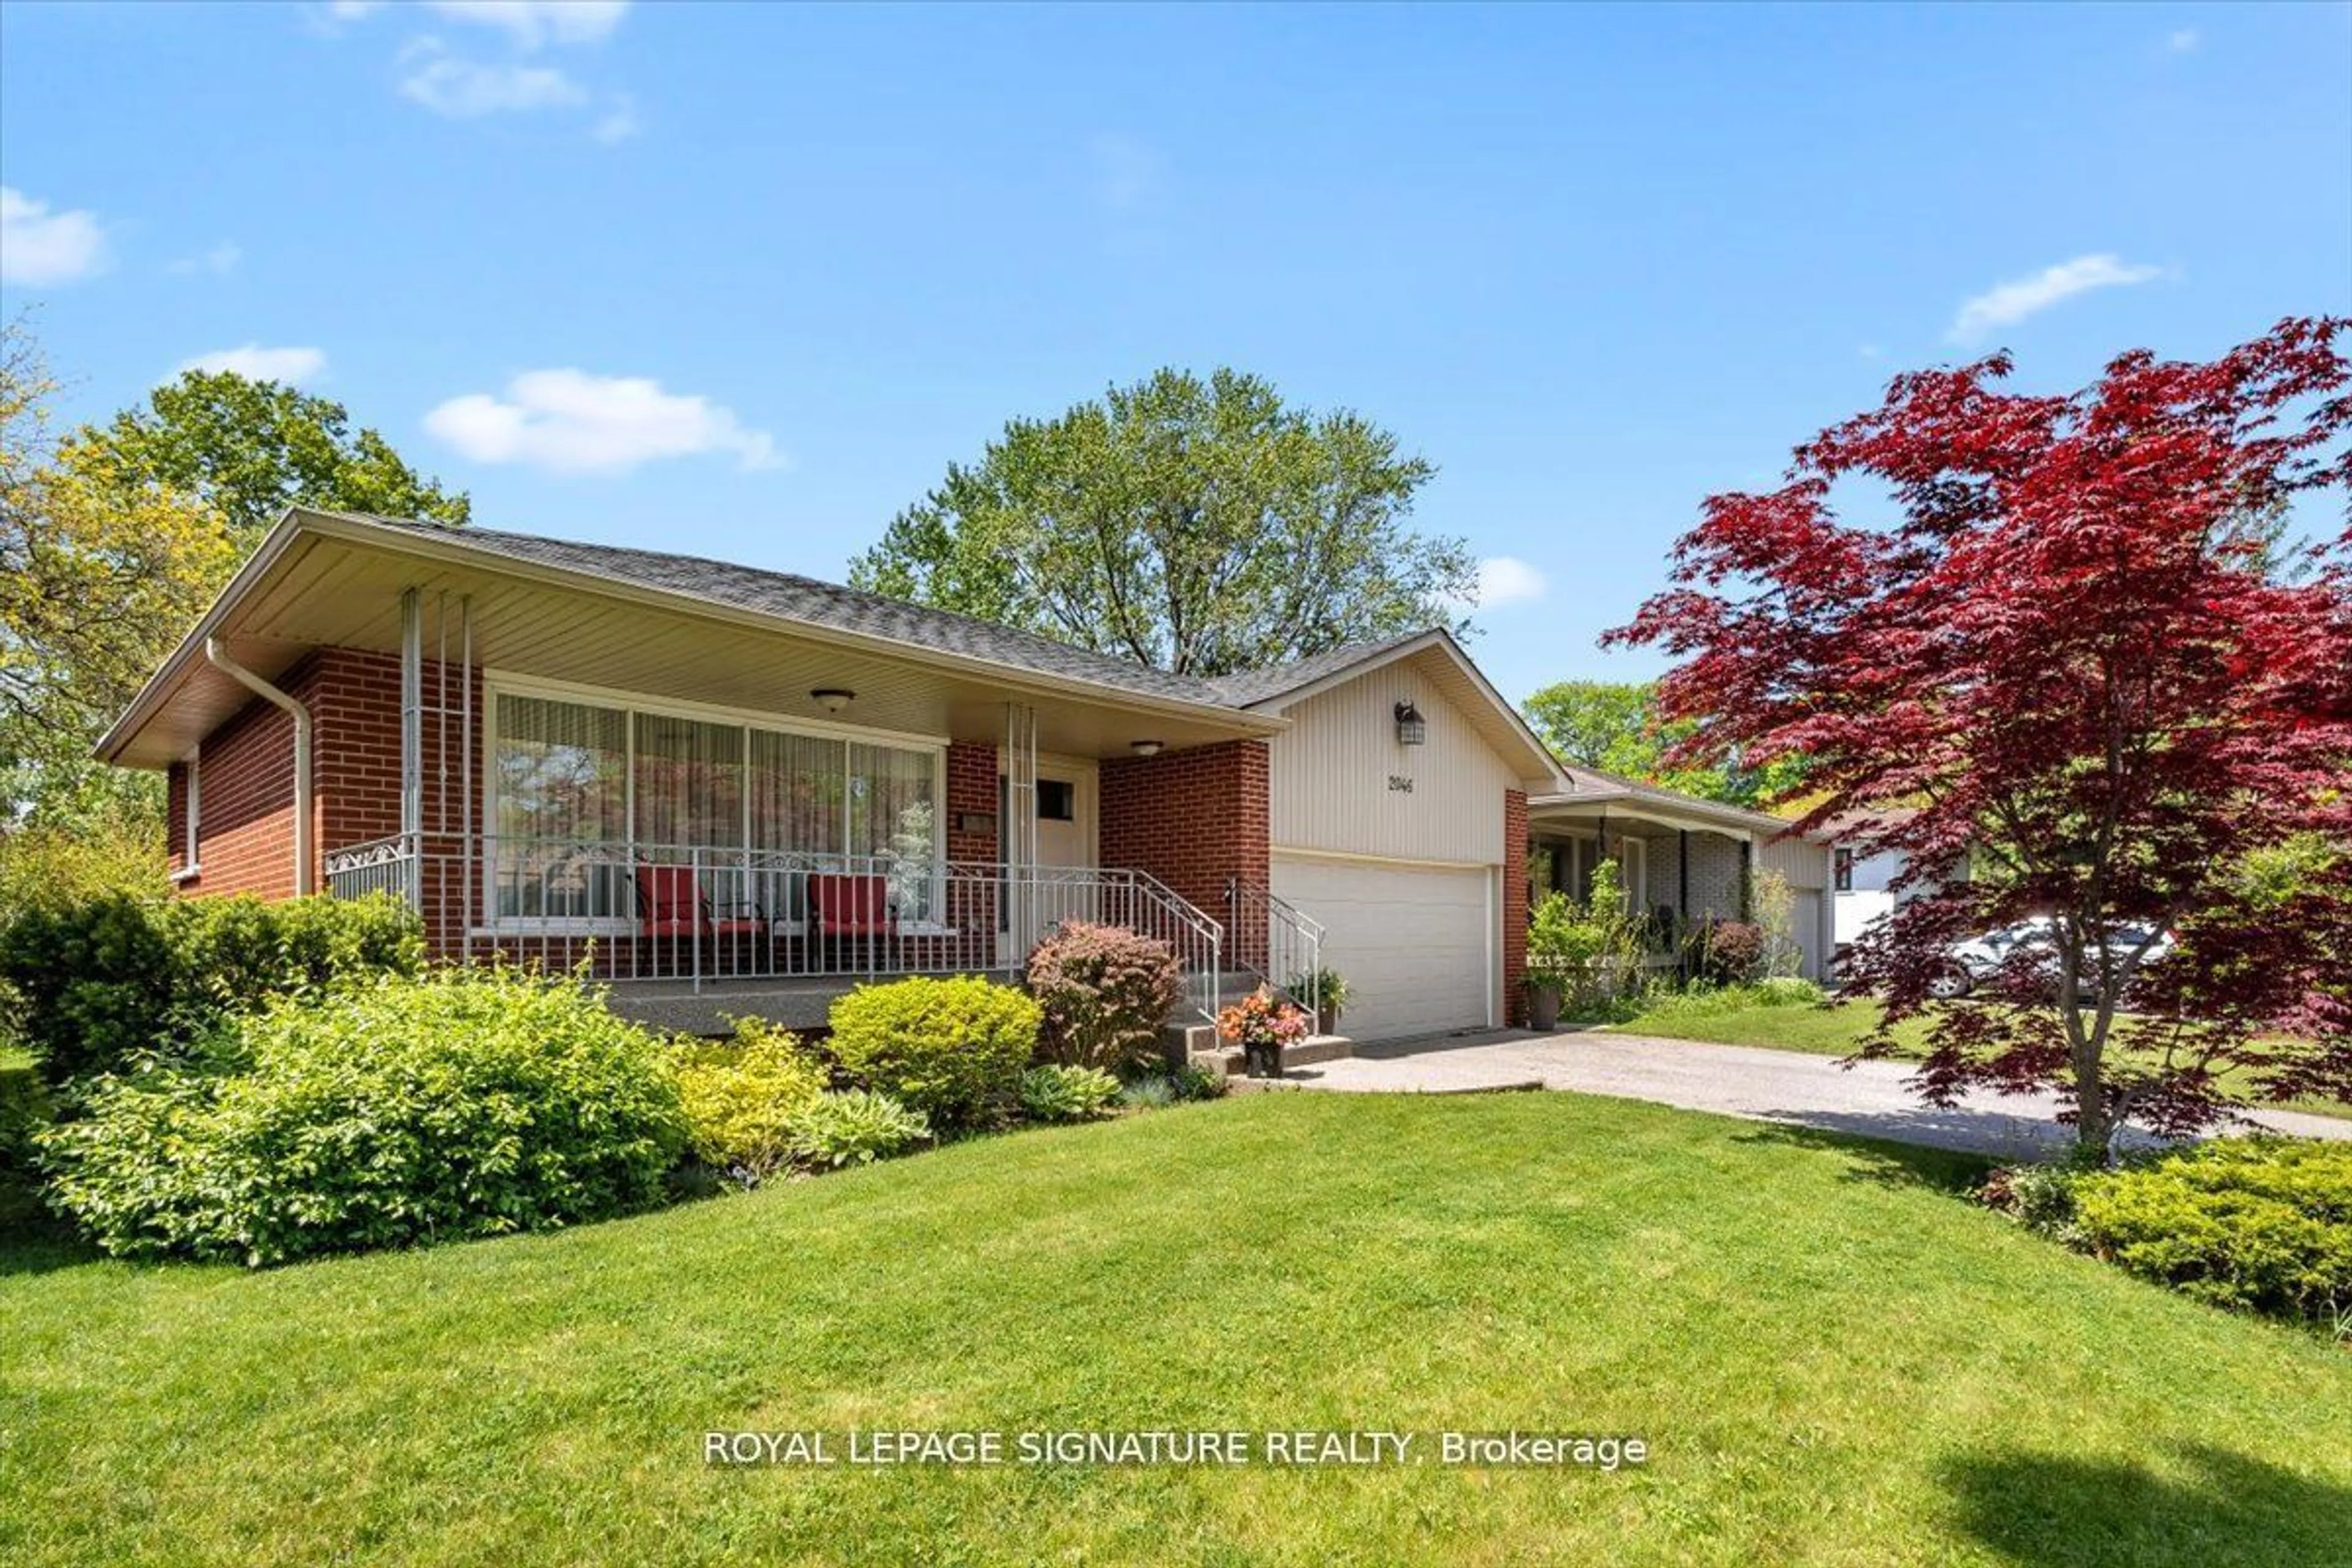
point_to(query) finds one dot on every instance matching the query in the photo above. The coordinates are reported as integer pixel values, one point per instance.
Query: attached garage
(1416, 943)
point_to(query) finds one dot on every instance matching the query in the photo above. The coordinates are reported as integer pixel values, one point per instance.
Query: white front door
(1056, 889)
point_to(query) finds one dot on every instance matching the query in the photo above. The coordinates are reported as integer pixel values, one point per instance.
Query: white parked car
(1979, 959)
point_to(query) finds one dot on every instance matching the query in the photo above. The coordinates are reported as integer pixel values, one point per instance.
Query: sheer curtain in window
(891, 818)
(689, 786)
(561, 772)
(796, 794)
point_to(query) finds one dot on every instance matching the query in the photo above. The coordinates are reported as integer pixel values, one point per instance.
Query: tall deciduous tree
(94, 576)
(251, 448)
(1201, 527)
(2069, 654)
(113, 539)
(1614, 726)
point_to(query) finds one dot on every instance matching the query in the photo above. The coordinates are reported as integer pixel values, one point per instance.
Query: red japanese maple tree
(2068, 672)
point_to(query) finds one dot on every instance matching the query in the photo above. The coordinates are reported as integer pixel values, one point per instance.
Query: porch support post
(1682, 873)
(412, 733)
(1020, 830)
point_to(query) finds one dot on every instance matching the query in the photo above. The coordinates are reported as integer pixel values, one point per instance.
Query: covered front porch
(681, 805)
(1683, 862)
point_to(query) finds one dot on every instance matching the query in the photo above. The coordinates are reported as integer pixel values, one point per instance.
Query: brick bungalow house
(727, 790)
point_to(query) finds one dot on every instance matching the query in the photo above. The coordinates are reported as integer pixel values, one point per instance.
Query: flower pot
(1543, 1007)
(1263, 1059)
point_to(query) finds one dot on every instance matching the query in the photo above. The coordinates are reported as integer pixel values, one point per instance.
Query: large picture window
(582, 792)
(561, 775)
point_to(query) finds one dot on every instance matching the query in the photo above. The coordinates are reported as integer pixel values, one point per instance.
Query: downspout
(306, 879)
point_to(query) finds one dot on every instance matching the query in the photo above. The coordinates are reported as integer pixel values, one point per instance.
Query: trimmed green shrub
(740, 1096)
(98, 982)
(471, 1102)
(854, 1127)
(1057, 1092)
(951, 1049)
(1105, 991)
(2262, 1223)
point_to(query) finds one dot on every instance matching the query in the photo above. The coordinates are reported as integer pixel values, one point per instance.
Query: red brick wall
(1193, 820)
(972, 792)
(1515, 904)
(246, 773)
(246, 829)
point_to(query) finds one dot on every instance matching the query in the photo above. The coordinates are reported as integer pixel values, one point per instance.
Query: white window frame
(631, 705)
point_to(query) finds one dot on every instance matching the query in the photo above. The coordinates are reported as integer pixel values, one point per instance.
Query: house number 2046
(1398, 783)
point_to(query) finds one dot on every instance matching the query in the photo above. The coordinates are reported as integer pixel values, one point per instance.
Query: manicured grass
(1725, 1019)
(1835, 1358)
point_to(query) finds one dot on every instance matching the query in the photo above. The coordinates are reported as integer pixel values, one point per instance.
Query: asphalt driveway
(1868, 1099)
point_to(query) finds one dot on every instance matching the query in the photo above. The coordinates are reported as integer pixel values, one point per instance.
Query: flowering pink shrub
(1105, 991)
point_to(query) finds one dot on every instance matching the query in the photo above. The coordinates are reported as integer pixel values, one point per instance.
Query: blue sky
(743, 279)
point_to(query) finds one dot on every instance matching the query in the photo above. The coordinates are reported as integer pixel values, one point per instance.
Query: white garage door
(1411, 942)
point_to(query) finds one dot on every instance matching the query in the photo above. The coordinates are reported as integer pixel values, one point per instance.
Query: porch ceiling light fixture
(1146, 748)
(832, 699)
(1412, 730)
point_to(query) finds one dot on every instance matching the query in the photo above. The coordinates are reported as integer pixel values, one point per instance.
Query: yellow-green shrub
(740, 1095)
(951, 1050)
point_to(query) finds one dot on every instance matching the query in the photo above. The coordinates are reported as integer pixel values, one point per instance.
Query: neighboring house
(1683, 861)
(726, 789)
(1866, 883)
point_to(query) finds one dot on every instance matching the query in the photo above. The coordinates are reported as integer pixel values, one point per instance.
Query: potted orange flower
(1262, 1024)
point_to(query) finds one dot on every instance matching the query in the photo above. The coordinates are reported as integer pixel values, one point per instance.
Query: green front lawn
(1727, 1019)
(1835, 1358)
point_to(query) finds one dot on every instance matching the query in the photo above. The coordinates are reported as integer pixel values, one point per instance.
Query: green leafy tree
(1195, 526)
(113, 540)
(251, 448)
(1614, 726)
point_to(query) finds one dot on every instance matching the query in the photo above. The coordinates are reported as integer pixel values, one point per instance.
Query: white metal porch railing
(687, 913)
(1281, 943)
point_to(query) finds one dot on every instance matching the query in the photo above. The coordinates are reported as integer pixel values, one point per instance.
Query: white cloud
(293, 364)
(620, 122)
(1508, 580)
(570, 422)
(38, 247)
(464, 89)
(531, 22)
(220, 260)
(2013, 301)
(2183, 40)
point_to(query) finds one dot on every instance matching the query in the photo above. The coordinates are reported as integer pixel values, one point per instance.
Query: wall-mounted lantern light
(1145, 748)
(1412, 730)
(832, 699)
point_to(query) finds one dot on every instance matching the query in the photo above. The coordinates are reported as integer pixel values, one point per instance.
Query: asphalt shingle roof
(1249, 687)
(791, 596)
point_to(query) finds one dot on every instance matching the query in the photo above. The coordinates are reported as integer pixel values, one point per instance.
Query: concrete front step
(1232, 1063)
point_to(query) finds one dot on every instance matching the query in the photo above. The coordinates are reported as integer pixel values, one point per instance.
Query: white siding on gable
(1334, 774)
